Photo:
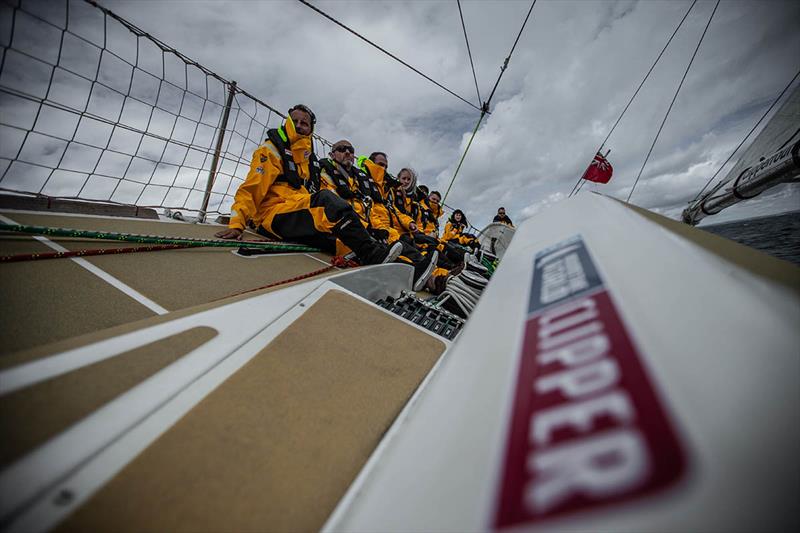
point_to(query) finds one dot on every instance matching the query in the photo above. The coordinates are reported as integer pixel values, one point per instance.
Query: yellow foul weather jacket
(263, 195)
(380, 216)
(455, 233)
(431, 225)
(354, 196)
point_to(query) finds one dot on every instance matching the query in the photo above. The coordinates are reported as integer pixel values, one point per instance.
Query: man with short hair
(502, 218)
(338, 174)
(281, 196)
(433, 211)
(384, 214)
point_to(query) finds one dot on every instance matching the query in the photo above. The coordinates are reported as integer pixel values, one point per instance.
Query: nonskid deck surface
(219, 412)
(51, 300)
(275, 443)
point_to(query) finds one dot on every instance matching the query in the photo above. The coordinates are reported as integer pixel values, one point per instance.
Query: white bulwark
(644, 378)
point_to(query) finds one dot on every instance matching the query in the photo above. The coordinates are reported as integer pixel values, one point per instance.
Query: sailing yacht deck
(52, 300)
(198, 410)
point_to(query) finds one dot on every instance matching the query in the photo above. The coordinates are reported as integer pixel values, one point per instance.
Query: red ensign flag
(599, 170)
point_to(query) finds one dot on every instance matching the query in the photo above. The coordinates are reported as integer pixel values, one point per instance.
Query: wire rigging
(678, 90)
(636, 92)
(505, 63)
(469, 52)
(748, 135)
(485, 106)
(308, 4)
(463, 156)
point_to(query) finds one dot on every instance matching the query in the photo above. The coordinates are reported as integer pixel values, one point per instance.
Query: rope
(464, 155)
(307, 4)
(155, 239)
(673, 100)
(678, 27)
(505, 63)
(485, 106)
(469, 52)
(747, 136)
(336, 262)
(15, 258)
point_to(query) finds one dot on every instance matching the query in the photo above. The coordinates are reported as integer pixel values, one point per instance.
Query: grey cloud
(572, 73)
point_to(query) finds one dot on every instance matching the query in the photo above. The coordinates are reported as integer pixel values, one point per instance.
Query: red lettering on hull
(587, 426)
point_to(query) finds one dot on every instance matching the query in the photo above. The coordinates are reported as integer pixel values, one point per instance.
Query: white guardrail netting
(92, 107)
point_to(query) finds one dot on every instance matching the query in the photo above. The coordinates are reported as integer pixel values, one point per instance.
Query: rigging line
(307, 4)
(464, 155)
(15, 258)
(636, 92)
(485, 106)
(790, 139)
(505, 63)
(748, 135)
(578, 186)
(469, 52)
(685, 73)
(154, 239)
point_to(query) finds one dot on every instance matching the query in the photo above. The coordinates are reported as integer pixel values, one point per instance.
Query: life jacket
(458, 227)
(340, 181)
(367, 185)
(394, 220)
(290, 175)
(411, 210)
(427, 216)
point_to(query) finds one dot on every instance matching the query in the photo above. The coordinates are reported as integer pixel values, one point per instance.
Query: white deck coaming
(726, 368)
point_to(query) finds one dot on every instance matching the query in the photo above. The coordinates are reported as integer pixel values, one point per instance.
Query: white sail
(771, 159)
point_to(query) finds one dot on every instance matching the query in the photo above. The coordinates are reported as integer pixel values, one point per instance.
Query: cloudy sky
(574, 69)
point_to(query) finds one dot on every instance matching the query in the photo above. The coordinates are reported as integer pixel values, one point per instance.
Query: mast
(772, 158)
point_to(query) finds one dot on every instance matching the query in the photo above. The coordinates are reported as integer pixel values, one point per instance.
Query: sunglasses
(345, 149)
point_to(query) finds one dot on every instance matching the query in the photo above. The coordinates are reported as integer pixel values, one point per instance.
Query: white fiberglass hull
(643, 379)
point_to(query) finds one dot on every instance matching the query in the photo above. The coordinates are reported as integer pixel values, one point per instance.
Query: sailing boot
(423, 270)
(369, 251)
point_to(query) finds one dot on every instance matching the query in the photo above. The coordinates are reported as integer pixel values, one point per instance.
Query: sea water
(777, 235)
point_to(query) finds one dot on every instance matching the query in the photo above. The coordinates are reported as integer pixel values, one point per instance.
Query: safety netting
(94, 108)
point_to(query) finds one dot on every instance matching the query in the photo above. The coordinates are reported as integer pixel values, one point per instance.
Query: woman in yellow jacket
(405, 201)
(454, 230)
(281, 196)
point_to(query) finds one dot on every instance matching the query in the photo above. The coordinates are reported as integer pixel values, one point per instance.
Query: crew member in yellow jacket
(454, 230)
(431, 211)
(383, 209)
(281, 196)
(407, 206)
(339, 175)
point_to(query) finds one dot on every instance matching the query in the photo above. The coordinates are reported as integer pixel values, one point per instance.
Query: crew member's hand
(230, 233)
